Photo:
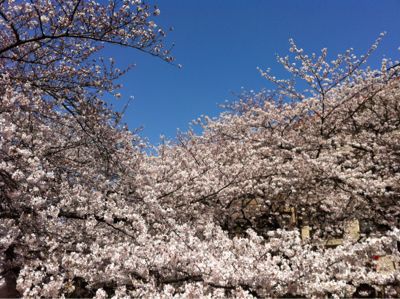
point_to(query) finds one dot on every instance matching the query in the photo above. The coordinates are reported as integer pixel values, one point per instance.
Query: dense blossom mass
(256, 205)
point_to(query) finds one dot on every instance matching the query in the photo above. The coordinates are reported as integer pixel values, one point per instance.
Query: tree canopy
(85, 211)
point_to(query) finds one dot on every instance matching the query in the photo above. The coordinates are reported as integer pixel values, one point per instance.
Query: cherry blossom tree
(328, 154)
(293, 148)
(50, 45)
(56, 133)
(86, 212)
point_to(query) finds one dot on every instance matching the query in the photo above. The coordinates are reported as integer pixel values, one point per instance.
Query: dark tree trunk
(8, 289)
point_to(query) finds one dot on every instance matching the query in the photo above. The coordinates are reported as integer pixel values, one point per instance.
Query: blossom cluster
(86, 211)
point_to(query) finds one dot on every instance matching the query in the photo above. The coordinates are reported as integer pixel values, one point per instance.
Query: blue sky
(221, 42)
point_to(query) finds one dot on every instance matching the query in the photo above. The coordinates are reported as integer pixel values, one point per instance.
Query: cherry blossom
(87, 211)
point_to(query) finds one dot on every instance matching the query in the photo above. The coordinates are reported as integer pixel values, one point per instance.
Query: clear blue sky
(220, 44)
